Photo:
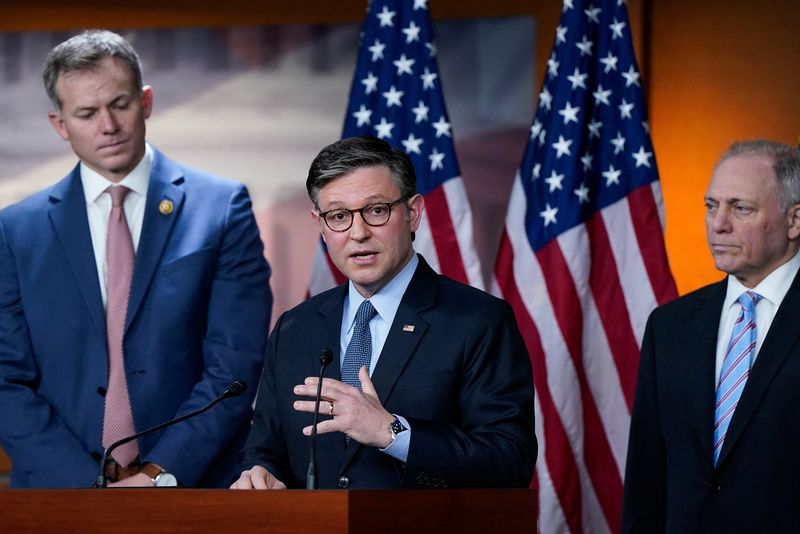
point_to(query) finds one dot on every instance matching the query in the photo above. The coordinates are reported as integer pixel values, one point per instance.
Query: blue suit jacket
(461, 377)
(671, 483)
(197, 319)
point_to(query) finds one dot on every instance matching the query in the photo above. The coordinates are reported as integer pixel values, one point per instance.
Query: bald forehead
(744, 172)
(754, 163)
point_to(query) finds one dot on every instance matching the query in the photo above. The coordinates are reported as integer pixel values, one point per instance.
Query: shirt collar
(95, 184)
(387, 300)
(772, 288)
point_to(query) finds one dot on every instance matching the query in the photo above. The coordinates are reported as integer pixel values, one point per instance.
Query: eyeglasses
(341, 219)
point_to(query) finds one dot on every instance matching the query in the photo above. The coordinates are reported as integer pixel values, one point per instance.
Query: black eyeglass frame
(360, 211)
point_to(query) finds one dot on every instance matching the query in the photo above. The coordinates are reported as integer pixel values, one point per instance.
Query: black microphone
(325, 358)
(234, 390)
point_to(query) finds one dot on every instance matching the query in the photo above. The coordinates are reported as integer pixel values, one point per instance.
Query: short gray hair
(347, 155)
(83, 52)
(785, 163)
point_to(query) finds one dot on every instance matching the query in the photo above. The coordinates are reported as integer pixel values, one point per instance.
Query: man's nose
(360, 229)
(108, 122)
(720, 219)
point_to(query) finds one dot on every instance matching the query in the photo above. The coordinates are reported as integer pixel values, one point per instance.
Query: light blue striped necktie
(359, 350)
(735, 367)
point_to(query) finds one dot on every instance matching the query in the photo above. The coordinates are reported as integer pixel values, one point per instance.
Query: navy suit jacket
(461, 377)
(671, 483)
(197, 319)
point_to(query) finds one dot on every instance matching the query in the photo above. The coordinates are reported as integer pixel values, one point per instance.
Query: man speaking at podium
(132, 291)
(430, 382)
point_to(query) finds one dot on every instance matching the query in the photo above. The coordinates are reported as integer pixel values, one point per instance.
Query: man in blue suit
(431, 384)
(194, 306)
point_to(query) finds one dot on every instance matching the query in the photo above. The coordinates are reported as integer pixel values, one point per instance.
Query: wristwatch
(395, 428)
(159, 475)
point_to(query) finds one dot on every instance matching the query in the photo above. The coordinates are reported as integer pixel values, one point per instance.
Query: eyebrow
(113, 101)
(731, 200)
(373, 199)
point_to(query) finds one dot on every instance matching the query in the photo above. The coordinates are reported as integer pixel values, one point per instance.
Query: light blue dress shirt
(385, 301)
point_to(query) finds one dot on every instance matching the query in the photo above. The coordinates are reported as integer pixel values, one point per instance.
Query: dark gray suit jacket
(462, 378)
(671, 483)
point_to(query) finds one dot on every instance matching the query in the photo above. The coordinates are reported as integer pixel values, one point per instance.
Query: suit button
(344, 482)
(101, 391)
(714, 486)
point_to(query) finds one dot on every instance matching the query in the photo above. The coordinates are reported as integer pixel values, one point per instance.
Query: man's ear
(147, 101)
(416, 205)
(315, 216)
(57, 122)
(794, 221)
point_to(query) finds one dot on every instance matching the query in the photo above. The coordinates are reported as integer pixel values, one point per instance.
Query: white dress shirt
(98, 209)
(773, 289)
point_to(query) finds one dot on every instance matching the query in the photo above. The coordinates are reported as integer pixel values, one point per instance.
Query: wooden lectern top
(296, 511)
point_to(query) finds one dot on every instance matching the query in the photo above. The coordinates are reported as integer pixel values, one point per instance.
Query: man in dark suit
(715, 429)
(443, 394)
(132, 291)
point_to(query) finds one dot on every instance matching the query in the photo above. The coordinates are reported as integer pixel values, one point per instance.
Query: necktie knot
(366, 311)
(748, 300)
(118, 194)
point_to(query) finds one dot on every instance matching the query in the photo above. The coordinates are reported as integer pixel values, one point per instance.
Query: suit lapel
(330, 315)
(71, 225)
(700, 361)
(330, 311)
(402, 341)
(781, 338)
(165, 181)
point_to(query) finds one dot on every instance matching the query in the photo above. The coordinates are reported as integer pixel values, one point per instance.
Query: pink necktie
(118, 418)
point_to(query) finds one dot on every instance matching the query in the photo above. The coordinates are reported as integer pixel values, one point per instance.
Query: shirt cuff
(398, 449)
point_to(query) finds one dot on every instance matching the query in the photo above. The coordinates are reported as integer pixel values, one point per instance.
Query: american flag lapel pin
(408, 328)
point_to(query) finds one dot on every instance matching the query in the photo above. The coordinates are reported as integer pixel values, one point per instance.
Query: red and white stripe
(581, 303)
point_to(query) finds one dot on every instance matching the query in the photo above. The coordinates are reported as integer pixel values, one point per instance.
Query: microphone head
(325, 356)
(235, 389)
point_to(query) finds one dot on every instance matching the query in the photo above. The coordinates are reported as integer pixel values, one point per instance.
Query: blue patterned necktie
(735, 368)
(359, 351)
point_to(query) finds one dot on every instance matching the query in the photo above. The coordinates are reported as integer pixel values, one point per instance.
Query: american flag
(582, 261)
(397, 95)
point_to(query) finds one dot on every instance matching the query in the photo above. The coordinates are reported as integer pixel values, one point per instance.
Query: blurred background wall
(713, 72)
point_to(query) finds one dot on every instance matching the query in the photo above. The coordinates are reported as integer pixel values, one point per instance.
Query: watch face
(166, 480)
(397, 427)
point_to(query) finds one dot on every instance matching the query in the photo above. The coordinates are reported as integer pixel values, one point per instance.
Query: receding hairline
(348, 155)
(389, 174)
(83, 52)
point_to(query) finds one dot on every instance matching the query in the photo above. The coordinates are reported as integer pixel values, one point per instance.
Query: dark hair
(785, 164)
(347, 155)
(83, 52)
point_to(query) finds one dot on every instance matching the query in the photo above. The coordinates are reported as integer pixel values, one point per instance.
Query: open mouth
(363, 257)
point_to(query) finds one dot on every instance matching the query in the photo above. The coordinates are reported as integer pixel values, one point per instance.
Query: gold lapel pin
(408, 328)
(165, 207)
